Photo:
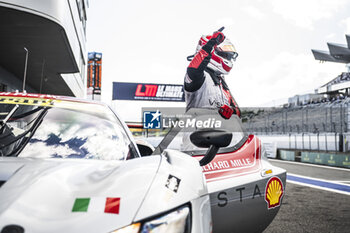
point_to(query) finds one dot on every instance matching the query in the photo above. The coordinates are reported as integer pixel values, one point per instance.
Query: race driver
(205, 85)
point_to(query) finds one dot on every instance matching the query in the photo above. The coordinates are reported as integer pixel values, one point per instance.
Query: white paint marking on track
(322, 187)
(311, 165)
(318, 187)
(340, 181)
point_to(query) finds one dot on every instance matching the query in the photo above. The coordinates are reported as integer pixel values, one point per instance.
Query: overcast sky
(148, 41)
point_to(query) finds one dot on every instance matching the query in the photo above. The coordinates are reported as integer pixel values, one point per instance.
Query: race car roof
(50, 101)
(47, 96)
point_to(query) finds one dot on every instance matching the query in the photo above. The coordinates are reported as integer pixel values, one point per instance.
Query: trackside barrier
(330, 159)
(286, 155)
(334, 159)
(330, 149)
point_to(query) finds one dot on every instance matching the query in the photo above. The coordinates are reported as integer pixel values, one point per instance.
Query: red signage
(148, 91)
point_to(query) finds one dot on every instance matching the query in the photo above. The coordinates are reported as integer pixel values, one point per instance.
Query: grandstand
(340, 83)
(316, 117)
(317, 121)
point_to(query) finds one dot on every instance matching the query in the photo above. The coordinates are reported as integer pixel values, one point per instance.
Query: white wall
(66, 14)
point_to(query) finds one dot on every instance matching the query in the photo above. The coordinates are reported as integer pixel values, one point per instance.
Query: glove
(225, 111)
(219, 37)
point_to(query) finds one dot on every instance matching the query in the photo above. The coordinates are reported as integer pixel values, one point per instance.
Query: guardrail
(330, 149)
(316, 157)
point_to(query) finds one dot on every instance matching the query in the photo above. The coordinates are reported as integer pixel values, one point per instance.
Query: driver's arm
(195, 71)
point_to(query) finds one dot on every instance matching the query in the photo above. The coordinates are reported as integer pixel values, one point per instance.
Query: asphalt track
(316, 199)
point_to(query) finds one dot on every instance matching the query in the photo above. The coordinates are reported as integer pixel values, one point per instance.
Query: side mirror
(212, 139)
(144, 147)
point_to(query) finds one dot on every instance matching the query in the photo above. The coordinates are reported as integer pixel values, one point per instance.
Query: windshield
(195, 119)
(49, 132)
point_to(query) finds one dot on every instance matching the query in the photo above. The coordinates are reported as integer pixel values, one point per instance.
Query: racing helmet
(222, 56)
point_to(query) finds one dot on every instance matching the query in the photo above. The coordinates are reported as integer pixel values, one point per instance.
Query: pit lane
(316, 199)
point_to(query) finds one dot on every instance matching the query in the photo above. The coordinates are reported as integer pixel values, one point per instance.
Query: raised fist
(219, 37)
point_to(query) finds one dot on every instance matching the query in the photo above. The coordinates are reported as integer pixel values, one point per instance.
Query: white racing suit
(204, 88)
(209, 95)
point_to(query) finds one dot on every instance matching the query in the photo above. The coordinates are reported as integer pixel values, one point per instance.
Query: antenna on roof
(25, 69)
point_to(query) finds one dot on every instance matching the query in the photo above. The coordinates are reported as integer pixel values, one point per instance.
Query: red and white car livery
(245, 190)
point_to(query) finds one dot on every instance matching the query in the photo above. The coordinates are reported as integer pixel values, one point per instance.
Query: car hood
(72, 195)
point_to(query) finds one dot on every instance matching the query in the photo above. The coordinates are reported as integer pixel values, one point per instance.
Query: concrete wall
(12, 82)
(72, 17)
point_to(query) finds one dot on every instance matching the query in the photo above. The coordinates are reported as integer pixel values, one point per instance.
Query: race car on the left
(69, 165)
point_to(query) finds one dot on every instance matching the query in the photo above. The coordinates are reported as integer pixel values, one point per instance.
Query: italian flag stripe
(81, 205)
(112, 205)
(109, 205)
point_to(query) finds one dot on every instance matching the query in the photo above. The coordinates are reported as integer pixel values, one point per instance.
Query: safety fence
(307, 141)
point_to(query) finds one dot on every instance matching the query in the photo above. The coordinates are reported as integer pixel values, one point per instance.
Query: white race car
(69, 165)
(72, 166)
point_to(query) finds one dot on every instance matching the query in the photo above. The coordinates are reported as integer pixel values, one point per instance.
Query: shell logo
(273, 192)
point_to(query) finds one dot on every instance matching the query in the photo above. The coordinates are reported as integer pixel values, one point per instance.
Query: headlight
(173, 222)
(134, 228)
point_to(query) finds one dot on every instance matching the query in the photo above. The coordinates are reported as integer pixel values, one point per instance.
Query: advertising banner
(330, 159)
(287, 155)
(148, 92)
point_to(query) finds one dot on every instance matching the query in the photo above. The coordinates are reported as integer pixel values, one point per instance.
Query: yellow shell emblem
(274, 192)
